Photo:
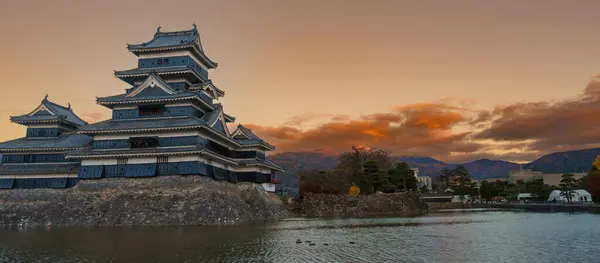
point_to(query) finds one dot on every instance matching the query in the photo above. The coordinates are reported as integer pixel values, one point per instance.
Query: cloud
(308, 117)
(410, 129)
(452, 130)
(91, 117)
(550, 126)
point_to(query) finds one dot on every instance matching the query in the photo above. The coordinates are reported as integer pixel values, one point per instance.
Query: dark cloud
(567, 124)
(453, 131)
(412, 129)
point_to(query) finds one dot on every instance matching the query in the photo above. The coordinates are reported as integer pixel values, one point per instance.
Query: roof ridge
(176, 33)
(193, 34)
(149, 119)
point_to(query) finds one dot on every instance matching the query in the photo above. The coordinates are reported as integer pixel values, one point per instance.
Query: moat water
(446, 237)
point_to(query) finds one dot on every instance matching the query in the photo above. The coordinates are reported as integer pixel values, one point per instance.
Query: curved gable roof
(174, 40)
(50, 111)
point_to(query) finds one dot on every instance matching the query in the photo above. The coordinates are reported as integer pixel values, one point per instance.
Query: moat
(496, 236)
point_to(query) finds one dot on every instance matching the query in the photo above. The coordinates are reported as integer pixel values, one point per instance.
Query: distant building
(522, 197)
(554, 179)
(424, 181)
(493, 180)
(578, 196)
(529, 175)
(416, 171)
(523, 174)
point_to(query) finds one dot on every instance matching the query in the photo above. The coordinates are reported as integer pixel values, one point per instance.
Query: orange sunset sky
(455, 80)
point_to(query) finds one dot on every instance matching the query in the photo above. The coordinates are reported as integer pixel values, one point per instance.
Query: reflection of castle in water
(168, 123)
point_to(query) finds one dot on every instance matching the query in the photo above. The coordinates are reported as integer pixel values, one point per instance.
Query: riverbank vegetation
(361, 171)
(365, 171)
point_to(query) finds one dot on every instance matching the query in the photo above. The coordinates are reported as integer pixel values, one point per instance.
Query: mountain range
(560, 162)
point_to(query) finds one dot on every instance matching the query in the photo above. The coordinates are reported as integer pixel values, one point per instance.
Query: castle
(168, 123)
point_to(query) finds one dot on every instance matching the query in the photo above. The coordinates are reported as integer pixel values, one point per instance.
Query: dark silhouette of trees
(370, 170)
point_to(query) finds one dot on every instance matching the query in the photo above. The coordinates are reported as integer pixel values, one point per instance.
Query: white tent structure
(577, 196)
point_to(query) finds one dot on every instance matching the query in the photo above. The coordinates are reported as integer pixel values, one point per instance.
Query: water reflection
(474, 237)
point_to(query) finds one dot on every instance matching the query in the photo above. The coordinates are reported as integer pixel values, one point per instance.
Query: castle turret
(38, 159)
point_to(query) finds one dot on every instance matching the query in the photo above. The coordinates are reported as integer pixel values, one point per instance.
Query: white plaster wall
(269, 187)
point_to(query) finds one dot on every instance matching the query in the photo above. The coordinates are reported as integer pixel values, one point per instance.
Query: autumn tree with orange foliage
(349, 172)
(354, 191)
(591, 182)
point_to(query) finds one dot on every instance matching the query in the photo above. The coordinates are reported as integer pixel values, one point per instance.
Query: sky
(454, 80)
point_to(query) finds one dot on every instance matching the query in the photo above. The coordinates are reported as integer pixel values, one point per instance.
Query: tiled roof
(57, 111)
(88, 152)
(248, 133)
(33, 168)
(138, 124)
(169, 39)
(210, 84)
(174, 40)
(228, 118)
(253, 139)
(269, 162)
(66, 140)
(144, 71)
(265, 162)
(122, 98)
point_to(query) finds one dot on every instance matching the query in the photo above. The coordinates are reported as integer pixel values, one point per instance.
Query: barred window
(151, 110)
(122, 161)
(163, 159)
(143, 142)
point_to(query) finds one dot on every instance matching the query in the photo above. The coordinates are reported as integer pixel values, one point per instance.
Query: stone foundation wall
(159, 201)
(397, 204)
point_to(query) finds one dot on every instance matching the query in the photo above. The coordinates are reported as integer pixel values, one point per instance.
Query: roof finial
(195, 26)
(69, 104)
(46, 97)
(158, 29)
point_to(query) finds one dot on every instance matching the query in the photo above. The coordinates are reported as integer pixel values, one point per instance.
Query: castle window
(166, 61)
(144, 142)
(151, 110)
(160, 61)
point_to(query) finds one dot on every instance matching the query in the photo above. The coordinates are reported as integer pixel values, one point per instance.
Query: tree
(594, 187)
(445, 176)
(538, 189)
(404, 177)
(461, 171)
(510, 191)
(596, 164)
(567, 185)
(485, 189)
(351, 164)
(370, 171)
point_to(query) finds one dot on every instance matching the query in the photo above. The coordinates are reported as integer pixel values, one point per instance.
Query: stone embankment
(397, 204)
(160, 201)
(444, 206)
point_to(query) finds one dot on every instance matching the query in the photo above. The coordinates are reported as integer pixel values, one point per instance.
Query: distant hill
(485, 168)
(294, 162)
(565, 162)
(560, 162)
